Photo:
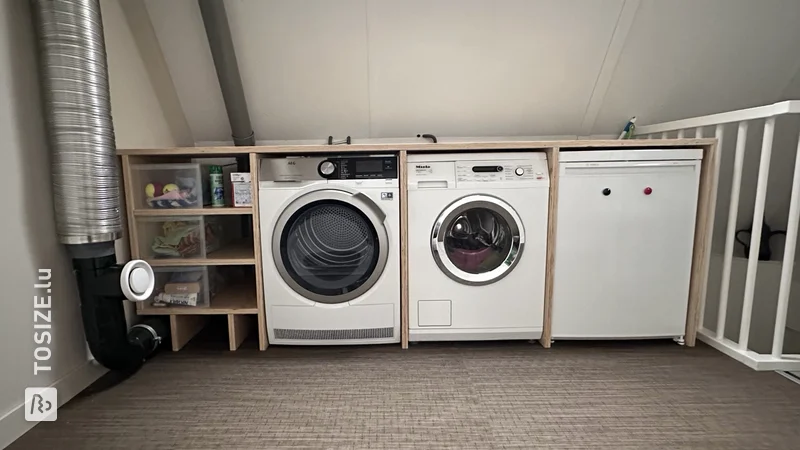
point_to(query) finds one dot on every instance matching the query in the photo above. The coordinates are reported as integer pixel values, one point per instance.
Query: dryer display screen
(369, 166)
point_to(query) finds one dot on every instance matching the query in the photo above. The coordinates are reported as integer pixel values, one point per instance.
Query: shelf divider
(206, 211)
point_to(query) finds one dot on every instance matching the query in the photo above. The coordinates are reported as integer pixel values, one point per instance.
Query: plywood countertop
(419, 147)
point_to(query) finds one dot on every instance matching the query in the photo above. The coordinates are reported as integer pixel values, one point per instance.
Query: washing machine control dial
(326, 168)
(519, 171)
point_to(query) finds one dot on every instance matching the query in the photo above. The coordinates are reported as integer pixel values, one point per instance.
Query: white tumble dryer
(330, 230)
(477, 235)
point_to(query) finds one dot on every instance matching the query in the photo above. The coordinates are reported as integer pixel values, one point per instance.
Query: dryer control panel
(358, 167)
(334, 168)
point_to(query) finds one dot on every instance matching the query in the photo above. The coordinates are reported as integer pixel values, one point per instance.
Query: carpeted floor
(497, 395)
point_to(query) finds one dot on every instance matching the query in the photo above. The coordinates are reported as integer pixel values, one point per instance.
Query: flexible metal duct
(77, 108)
(74, 78)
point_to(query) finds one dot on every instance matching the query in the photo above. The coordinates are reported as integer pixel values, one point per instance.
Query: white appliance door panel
(514, 301)
(623, 260)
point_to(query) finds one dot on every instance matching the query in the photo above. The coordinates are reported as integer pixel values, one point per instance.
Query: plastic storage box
(184, 286)
(184, 237)
(168, 186)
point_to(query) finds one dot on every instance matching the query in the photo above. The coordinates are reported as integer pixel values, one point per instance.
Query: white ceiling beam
(144, 35)
(616, 44)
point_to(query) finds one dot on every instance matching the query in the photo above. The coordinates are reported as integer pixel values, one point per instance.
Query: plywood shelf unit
(240, 308)
(241, 301)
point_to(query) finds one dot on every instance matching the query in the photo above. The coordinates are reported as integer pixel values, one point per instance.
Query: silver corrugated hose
(74, 78)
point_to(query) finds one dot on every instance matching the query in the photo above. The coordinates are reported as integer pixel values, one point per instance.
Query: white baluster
(788, 261)
(730, 232)
(681, 134)
(755, 236)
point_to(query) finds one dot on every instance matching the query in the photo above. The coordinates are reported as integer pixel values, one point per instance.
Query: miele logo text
(423, 167)
(291, 163)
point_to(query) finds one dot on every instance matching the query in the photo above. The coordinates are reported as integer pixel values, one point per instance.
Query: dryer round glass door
(477, 239)
(330, 246)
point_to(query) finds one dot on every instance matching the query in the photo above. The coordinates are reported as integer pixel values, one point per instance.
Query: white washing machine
(330, 229)
(477, 238)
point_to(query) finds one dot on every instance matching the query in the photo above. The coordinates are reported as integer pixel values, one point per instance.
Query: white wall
(383, 68)
(139, 119)
(685, 58)
(28, 236)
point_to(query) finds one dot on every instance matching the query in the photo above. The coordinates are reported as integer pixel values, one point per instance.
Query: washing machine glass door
(477, 239)
(331, 246)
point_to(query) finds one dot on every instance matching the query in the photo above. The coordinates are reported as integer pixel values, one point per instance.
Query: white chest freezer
(624, 243)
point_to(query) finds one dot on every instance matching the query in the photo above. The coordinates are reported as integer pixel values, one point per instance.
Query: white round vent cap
(137, 280)
(140, 281)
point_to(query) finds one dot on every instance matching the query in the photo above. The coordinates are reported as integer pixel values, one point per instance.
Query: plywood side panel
(262, 312)
(552, 226)
(403, 161)
(702, 241)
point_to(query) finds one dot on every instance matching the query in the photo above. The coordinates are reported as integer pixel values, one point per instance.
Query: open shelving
(241, 300)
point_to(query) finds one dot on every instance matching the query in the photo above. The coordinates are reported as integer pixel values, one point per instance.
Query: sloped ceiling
(685, 58)
(382, 68)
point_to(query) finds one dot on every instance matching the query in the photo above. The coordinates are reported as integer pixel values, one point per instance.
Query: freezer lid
(651, 154)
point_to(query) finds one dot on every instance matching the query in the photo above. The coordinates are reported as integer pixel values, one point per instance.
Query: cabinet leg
(679, 340)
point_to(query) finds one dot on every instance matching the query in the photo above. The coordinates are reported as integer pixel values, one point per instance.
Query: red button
(648, 190)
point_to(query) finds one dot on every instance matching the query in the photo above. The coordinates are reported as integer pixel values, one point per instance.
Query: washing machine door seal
(477, 239)
(331, 245)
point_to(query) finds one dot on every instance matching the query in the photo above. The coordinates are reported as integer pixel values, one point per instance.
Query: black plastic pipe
(110, 342)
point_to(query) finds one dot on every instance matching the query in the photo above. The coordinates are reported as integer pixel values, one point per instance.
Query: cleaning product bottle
(215, 180)
(630, 128)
